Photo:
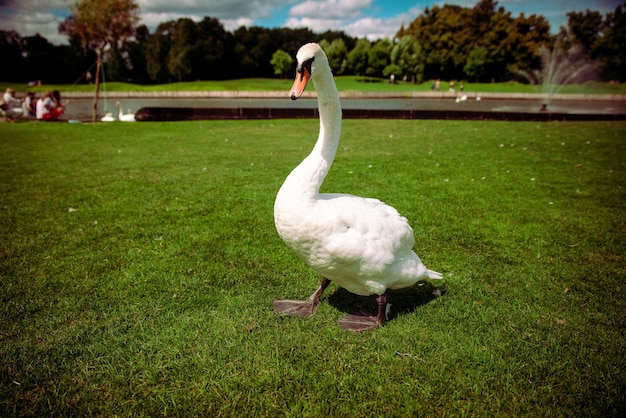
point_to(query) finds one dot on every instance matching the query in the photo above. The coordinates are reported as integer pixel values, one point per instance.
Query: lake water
(81, 108)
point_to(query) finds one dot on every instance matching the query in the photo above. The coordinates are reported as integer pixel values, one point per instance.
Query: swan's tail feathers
(434, 275)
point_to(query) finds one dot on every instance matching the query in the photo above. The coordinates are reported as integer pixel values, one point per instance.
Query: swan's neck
(307, 178)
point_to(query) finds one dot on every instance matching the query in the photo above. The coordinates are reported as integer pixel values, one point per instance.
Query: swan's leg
(304, 308)
(356, 322)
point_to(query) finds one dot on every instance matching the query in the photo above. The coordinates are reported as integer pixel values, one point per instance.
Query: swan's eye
(306, 65)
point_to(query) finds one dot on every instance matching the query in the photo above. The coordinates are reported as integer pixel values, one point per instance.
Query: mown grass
(138, 264)
(344, 83)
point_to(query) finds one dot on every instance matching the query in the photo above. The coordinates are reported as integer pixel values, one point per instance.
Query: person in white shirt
(43, 105)
(11, 105)
(49, 107)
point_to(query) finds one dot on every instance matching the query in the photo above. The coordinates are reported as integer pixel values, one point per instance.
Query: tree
(100, 25)
(494, 40)
(443, 33)
(484, 43)
(136, 56)
(11, 52)
(157, 49)
(585, 28)
(213, 51)
(282, 63)
(610, 49)
(337, 53)
(527, 38)
(476, 62)
(406, 55)
(358, 57)
(180, 56)
(603, 41)
(378, 57)
(37, 52)
(253, 51)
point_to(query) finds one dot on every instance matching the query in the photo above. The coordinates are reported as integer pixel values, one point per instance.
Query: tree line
(484, 43)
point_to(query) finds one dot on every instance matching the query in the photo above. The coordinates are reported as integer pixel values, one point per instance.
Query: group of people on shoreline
(48, 107)
(435, 85)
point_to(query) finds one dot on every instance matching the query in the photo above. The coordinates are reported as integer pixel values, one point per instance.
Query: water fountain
(559, 67)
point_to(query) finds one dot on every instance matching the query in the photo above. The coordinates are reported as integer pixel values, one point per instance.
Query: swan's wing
(361, 244)
(364, 231)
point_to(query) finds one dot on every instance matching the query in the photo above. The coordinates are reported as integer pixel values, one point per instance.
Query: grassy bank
(344, 83)
(138, 264)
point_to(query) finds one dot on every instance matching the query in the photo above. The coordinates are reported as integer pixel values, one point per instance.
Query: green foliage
(610, 49)
(98, 24)
(379, 57)
(529, 36)
(407, 55)
(442, 35)
(179, 59)
(392, 69)
(139, 263)
(449, 34)
(585, 28)
(476, 61)
(282, 62)
(337, 53)
(358, 57)
(602, 40)
(157, 50)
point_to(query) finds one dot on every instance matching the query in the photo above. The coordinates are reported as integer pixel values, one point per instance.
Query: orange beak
(302, 77)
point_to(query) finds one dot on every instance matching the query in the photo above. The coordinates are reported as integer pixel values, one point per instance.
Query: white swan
(108, 117)
(128, 117)
(361, 244)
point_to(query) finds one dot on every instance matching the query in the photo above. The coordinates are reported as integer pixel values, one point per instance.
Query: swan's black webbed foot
(363, 322)
(303, 308)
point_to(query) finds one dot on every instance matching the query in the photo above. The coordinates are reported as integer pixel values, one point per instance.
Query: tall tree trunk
(94, 109)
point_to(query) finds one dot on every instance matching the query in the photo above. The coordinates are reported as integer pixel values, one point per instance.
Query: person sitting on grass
(49, 106)
(11, 106)
(30, 105)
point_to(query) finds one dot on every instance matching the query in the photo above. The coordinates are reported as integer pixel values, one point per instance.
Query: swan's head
(309, 57)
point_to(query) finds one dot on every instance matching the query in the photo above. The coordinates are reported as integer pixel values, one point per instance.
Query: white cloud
(364, 27)
(232, 14)
(330, 9)
(376, 28)
(371, 28)
(234, 24)
(35, 17)
(316, 25)
(231, 9)
(29, 17)
(152, 20)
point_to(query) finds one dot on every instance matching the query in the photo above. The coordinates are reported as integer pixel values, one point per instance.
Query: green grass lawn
(138, 264)
(344, 83)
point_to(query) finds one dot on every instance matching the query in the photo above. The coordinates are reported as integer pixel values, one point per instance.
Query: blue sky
(361, 18)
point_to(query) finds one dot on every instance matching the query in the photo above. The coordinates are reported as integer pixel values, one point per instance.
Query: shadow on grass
(403, 301)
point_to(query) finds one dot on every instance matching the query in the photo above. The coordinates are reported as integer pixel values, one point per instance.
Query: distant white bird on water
(108, 117)
(128, 117)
